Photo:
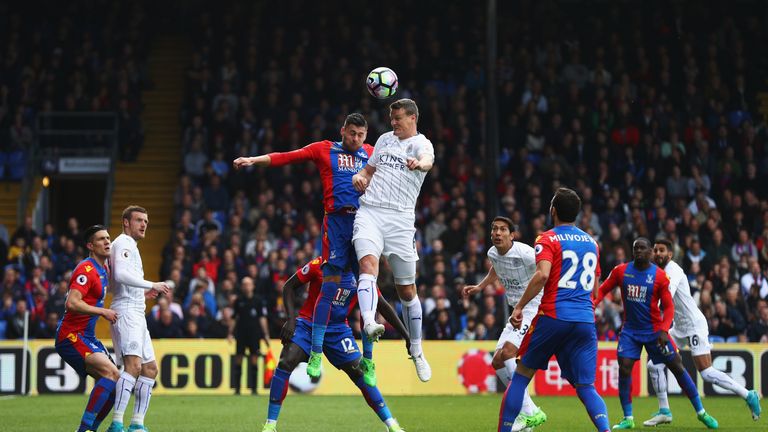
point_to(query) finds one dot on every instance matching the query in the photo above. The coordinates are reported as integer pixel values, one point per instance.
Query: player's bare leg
(504, 362)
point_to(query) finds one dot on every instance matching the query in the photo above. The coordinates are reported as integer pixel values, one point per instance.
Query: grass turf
(349, 413)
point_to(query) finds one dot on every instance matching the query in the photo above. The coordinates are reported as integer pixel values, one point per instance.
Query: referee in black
(250, 313)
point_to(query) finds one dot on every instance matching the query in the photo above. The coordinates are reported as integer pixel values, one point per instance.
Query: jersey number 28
(587, 278)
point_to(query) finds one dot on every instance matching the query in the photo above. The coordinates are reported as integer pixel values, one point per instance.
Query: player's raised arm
(614, 279)
(75, 303)
(490, 278)
(244, 161)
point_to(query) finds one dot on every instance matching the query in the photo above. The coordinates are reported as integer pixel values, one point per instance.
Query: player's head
(566, 205)
(354, 131)
(502, 232)
(641, 251)
(97, 241)
(662, 251)
(403, 115)
(135, 221)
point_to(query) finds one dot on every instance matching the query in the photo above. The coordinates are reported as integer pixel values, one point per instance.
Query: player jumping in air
(690, 328)
(391, 183)
(76, 340)
(337, 162)
(566, 268)
(513, 264)
(648, 312)
(339, 344)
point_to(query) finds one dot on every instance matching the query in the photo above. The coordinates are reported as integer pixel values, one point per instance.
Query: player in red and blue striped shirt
(76, 340)
(648, 313)
(337, 162)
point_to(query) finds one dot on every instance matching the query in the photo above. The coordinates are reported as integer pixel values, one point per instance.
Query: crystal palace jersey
(344, 300)
(642, 291)
(336, 167)
(575, 268)
(91, 280)
(515, 269)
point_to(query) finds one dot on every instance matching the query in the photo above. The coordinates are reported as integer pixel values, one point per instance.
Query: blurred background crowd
(650, 114)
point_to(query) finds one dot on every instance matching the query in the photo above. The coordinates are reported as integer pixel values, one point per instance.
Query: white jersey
(515, 269)
(127, 275)
(688, 318)
(393, 185)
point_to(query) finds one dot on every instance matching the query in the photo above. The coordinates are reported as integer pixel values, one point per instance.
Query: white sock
(719, 378)
(503, 375)
(143, 393)
(658, 374)
(123, 391)
(412, 320)
(390, 422)
(367, 297)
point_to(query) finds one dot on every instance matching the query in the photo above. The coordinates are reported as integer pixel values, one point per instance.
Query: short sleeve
(544, 249)
(80, 281)
(424, 148)
(309, 271)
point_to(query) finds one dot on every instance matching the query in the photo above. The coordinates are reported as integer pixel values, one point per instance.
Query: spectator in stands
(743, 246)
(15, 329)
(754, 277)
(758, 330)
(727, 324)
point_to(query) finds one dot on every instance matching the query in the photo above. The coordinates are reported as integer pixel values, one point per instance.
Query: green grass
(347, 413)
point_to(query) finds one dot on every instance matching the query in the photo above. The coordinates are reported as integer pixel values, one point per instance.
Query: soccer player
(76, 341)
(566, 268)
(130, 337)
(690, 328)
(648, 312)
(337, 162)
(513, 263)
(385, 222)
(339, 345)
(250, 329)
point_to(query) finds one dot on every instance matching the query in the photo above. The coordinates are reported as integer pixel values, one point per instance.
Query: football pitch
(349, 413)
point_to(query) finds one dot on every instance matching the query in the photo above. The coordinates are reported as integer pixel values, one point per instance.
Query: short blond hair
(128, 212)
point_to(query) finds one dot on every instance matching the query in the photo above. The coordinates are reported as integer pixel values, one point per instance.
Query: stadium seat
(17, 165)
(3, 326)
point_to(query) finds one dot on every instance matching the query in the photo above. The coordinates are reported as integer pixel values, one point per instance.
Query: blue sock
(689, 387)
(374, 398)
(367, 347)
(278, 388)
(102, 391)
(595, 406)
(625, 394)
(322, 314)
(512, 402)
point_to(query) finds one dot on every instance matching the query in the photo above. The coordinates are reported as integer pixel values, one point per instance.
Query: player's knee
(406, 293)
(149, 370)
(497, 361)
(369, 265)
(132, 365)
(111, 372)
(353, 371)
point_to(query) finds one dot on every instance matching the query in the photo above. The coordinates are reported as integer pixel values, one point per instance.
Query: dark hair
(643, 239)
(664, 241)
(355, 119)
(567, 204)
(128, 212)
(408, 105)
(91, 231)
(506, 220)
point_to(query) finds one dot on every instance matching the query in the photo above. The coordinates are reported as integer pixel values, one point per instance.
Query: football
(382, 82)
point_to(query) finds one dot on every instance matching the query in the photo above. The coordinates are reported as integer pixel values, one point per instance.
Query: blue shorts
(631, 344)
(339, 345)
(574, 344)
(337, 240)
(75, 351)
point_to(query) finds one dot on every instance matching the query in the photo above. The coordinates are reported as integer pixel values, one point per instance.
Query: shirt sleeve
(125, 273)
(309, 271)
(80, 281)
(306, 153)
(425, 148)
(667, 305)
(544, 249)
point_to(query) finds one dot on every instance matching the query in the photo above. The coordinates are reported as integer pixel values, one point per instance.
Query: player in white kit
(689, 328)
(133, 347)
(513, 264)
(384, 223)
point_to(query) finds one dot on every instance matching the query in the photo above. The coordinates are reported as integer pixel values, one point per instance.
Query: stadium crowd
(650, 115)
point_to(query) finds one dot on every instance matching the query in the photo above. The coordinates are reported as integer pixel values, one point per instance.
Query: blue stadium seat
(3, 326)
(17, 165)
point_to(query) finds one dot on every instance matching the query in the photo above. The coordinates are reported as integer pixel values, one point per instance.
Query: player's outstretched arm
(242, 162)
(389, 314)
(75, 303)
(607, 286)
(539, 279)
(289, 298)
(490, 278)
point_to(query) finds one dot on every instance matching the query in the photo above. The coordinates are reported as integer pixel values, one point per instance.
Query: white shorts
(131, 337)
(392, 232)
(513, 335)
(697, 339)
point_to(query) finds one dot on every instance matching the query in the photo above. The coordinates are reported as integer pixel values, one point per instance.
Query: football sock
(689, 388)
(413, 322)
(625, 394)
(719, 378)
(322, 314)
(143, 392)
(367, 347)
(512, 402)
(528, 406)
(100, 396)
(104, 410)
(374, 399)
(658, 374)
(595, 406)
(367, 297)
(253, 378)
(123, 392)
(278, 388)
(237, 376)
(503, 375)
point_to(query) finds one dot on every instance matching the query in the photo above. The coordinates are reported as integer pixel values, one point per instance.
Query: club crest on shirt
(649, 279)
